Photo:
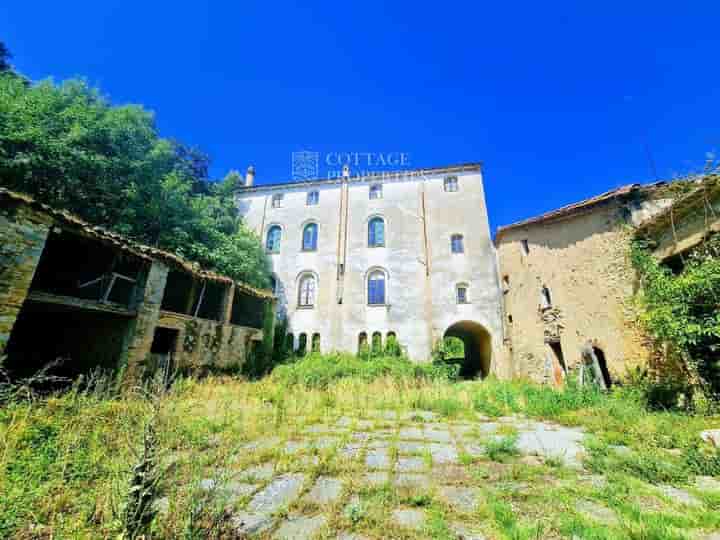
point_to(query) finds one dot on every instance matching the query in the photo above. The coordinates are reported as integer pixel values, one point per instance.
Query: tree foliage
(66, 145)
(681, 310)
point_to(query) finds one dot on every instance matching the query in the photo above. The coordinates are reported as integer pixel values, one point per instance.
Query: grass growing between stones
(385, 456)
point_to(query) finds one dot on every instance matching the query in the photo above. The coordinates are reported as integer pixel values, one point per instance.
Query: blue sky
(559, 100)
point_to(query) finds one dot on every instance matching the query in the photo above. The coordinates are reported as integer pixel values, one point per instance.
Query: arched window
(461, 293)
(376, 288)
(274, 235)
(392, 346)
(376, 191)
(313, 197)
(306, 291)
(376, 232)
(302, 344)
(315, 343)
(362, 343)
(451, 183)
(290, 342)
(545, 299)
(457, 245)
(310, 236)
(377, 343)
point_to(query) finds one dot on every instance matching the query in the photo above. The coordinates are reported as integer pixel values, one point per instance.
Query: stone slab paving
(300, 528)
(326, 490)
(277, 494)
(409, 518)
(416, 453)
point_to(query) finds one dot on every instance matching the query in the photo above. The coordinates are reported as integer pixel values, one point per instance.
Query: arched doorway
(478, 348)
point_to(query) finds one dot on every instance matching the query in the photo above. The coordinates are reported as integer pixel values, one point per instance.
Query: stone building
(567, 284)
(94, 298)
(361, 259)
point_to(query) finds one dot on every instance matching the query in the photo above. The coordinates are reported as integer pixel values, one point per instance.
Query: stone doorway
(478, 348)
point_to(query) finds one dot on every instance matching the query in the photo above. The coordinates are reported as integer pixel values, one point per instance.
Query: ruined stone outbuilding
(96, 299)
(568, 285)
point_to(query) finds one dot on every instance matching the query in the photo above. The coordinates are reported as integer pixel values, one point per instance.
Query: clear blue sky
(557, 99)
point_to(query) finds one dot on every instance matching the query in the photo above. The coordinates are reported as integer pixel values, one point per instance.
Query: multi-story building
(361, 259)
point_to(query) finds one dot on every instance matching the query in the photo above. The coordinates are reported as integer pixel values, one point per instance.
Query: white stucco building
(406, 253)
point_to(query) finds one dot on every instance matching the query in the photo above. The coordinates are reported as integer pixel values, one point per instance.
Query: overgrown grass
(320, 370)
(66, 461)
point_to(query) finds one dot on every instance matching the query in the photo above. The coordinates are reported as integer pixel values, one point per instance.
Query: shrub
(320, 370)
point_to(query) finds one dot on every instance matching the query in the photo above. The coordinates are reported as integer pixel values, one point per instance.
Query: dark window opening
(510, 319)
(247, 310)
(600, 355)
(302, 344)
(525, 246)
(377, 343)
(78, 267)
(392, 345)
(290, 342)
(676, 263)
(163, 348)
(545, 298)
(316, 343)
(180, 293)
(362, 342)
(211, 301)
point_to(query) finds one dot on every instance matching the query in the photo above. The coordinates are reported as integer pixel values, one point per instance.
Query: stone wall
(23, 232)
(202, 344)
(583, 260)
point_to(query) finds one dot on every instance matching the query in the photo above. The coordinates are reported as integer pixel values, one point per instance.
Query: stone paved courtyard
(414, 475)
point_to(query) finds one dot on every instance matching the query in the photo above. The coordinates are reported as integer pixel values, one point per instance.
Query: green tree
(5, 57)
(66, 145)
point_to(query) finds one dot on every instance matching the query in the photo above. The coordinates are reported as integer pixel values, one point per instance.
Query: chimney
(346, 171)
(250, 176)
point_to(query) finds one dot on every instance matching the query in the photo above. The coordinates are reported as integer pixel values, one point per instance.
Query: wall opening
(78, 267)
(82, 339)
(558, 362)
(315, 343)
(600, 355)
(362, 343)
(477, 348)
(377, 343)
(162, 350)
(290, 342)
(247, 310)
(179, 294)
(302, 344)
(211, 301)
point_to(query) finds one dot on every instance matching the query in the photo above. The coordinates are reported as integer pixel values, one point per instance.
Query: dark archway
(478, 348)
(600, 355)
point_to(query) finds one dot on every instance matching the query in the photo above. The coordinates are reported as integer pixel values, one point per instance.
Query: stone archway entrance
(478, 348)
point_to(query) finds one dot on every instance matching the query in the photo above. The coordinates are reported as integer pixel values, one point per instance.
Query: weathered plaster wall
(22, 238)
(583, 260)
(420, 307)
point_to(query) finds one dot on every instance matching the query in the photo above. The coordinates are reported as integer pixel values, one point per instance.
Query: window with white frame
(277, 200)
(376, 191)
(457, 244)
(461, 293)
(313, 197)
(274, 235)
(306, 291)
(310, 237)
(376, 288)
(451, 183)
(376, 232)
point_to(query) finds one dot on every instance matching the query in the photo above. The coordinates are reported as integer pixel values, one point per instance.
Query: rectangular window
(376, 191)
(451, 184)
(277, 201)
(456, 244)
(313, 197)
(462, 295)
(525, 246)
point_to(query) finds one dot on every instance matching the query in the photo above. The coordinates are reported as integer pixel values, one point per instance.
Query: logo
(305, 165)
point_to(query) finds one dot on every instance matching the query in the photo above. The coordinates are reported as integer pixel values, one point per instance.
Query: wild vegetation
(679, 310)
(67, 145)
(94, 463)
